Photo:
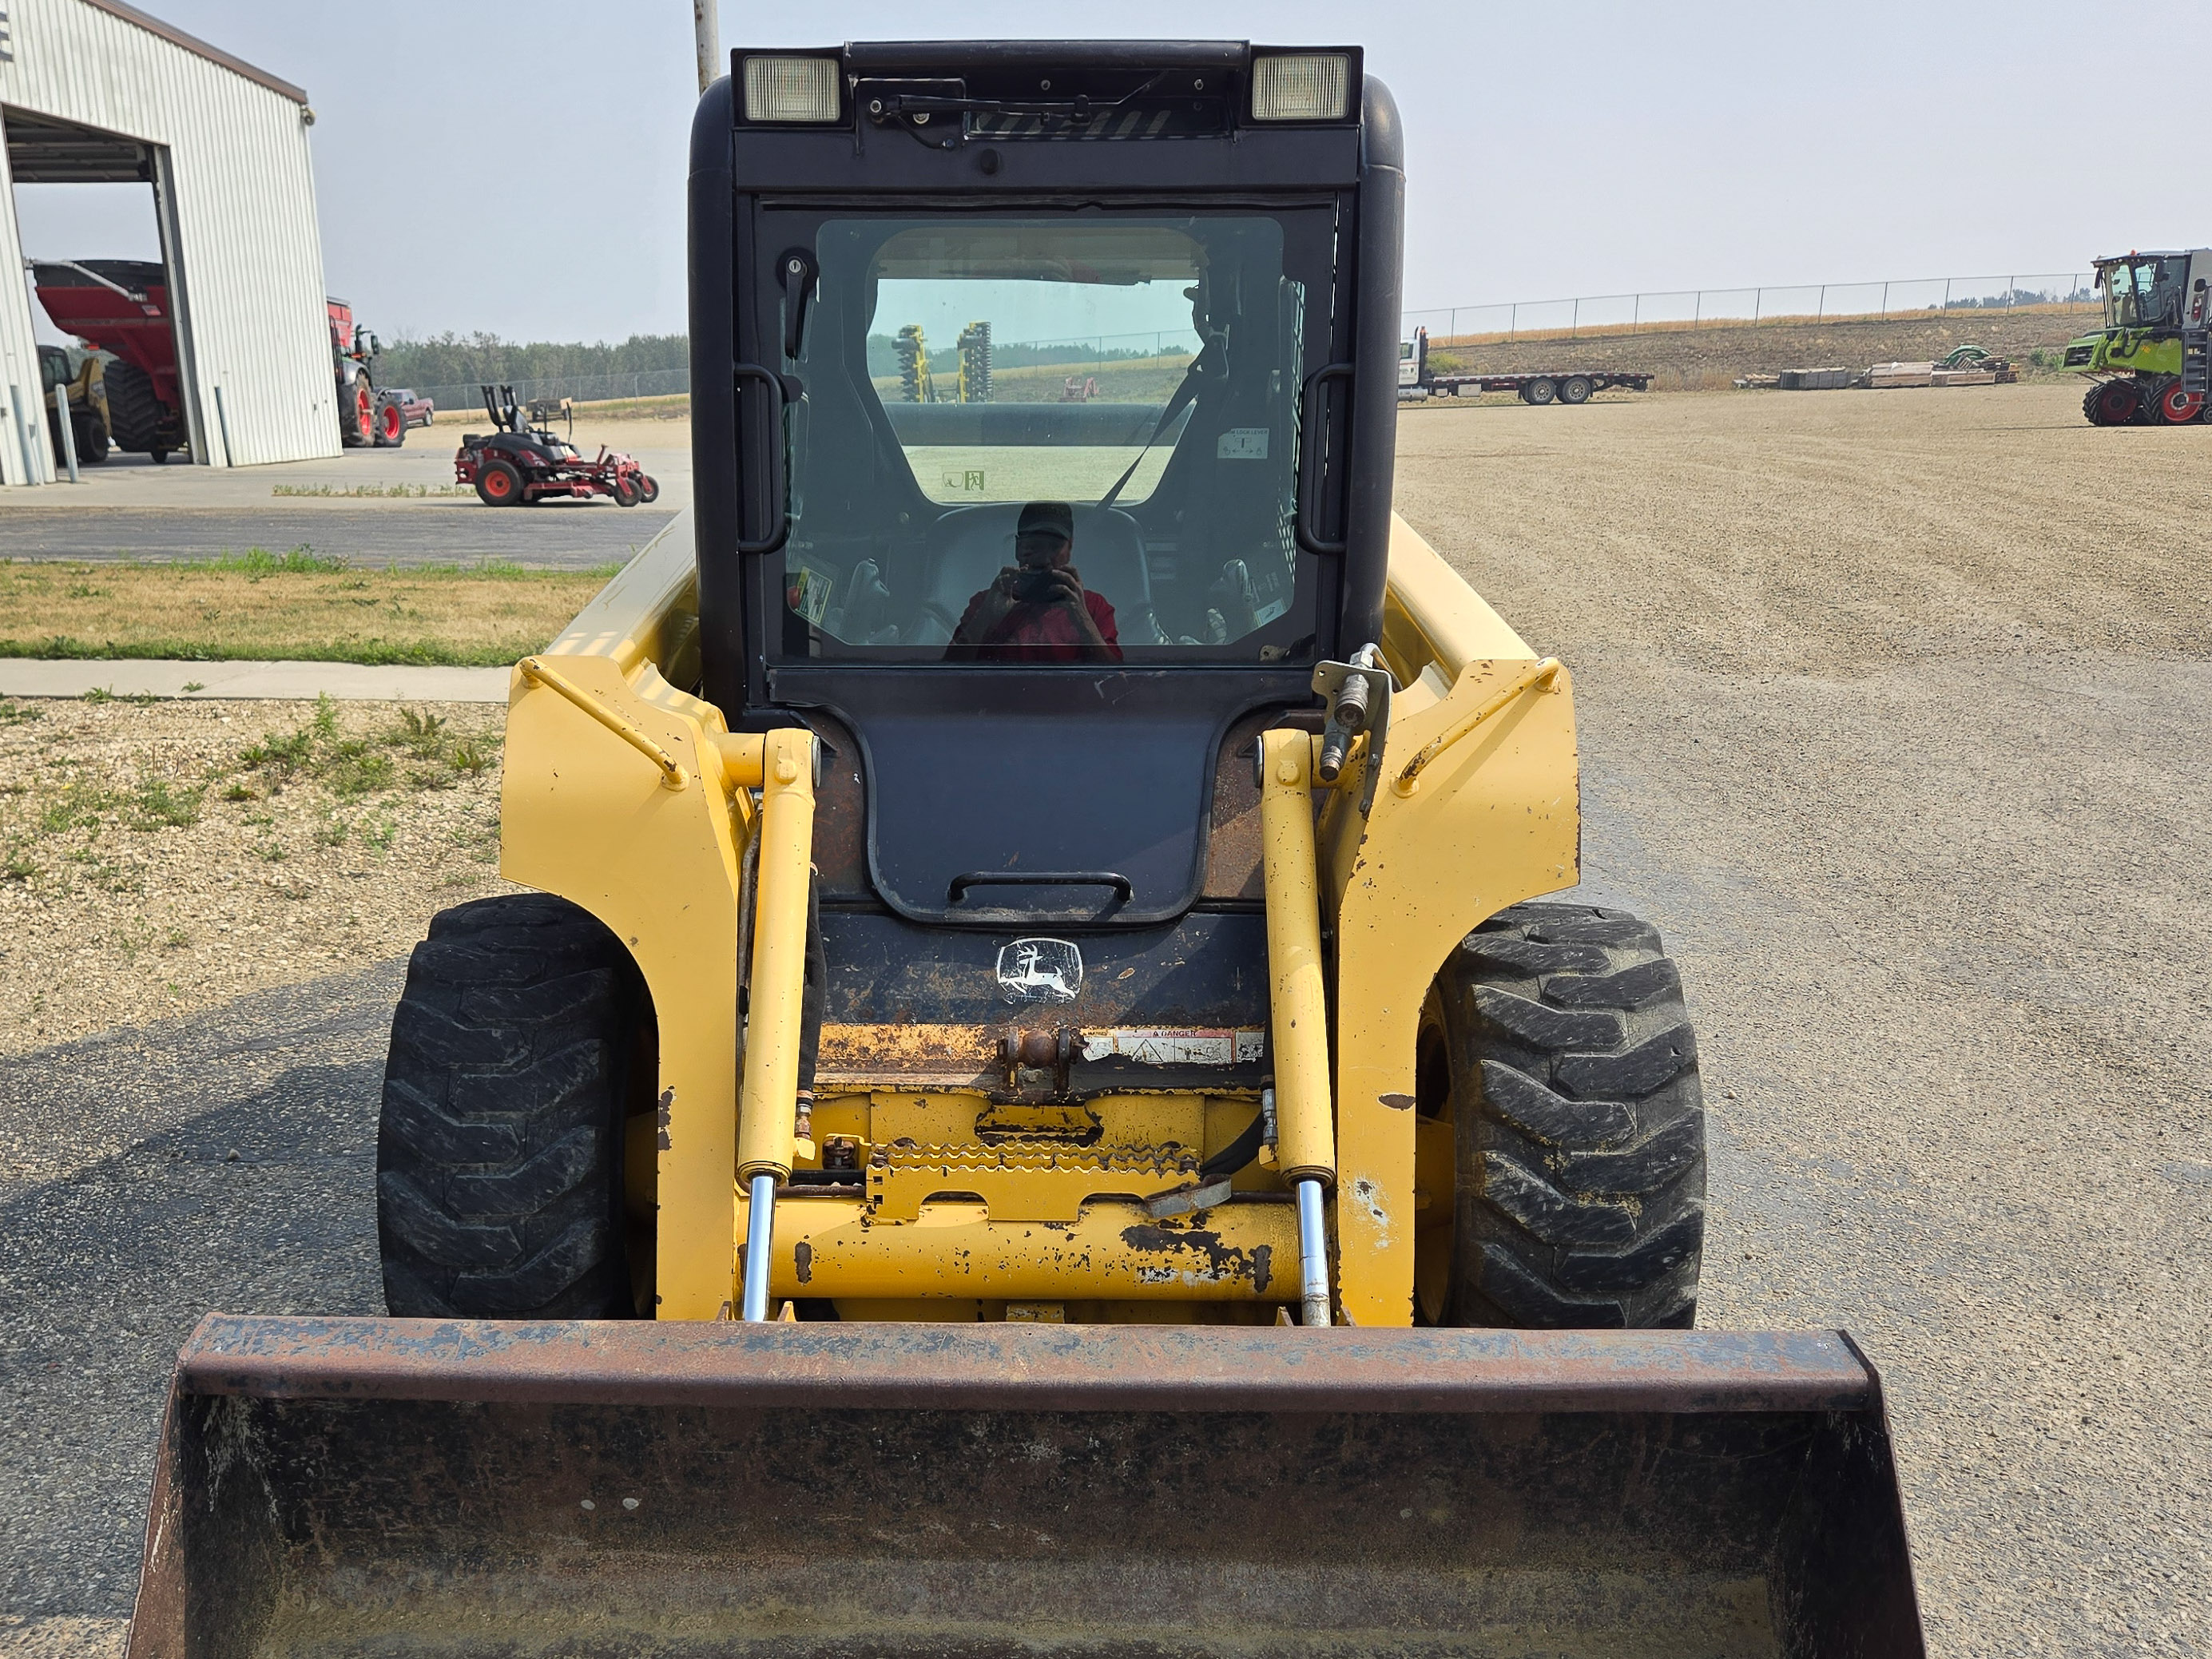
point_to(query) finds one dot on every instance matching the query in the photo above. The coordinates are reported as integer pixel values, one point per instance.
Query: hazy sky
(1553, 149)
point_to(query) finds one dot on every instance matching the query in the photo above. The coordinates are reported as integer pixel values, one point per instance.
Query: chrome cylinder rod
(1313, 1256)
(760, 1231)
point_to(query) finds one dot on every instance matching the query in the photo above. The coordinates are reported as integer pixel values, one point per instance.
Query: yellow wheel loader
(1035, 1107)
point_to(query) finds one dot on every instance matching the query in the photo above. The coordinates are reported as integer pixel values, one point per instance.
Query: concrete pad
(21, 677)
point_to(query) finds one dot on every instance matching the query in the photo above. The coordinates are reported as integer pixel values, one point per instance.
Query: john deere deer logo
(1039, 970)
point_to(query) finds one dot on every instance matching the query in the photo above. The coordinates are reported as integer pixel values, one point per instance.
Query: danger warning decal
(1177, 1046)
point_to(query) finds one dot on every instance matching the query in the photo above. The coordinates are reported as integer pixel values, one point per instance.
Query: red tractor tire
(648, 489)
(2112, 402)
(627, 494)
(499, 485)
(391, 426)
(2178, 408)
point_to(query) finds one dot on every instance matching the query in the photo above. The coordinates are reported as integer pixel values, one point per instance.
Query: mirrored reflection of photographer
(1037, 609)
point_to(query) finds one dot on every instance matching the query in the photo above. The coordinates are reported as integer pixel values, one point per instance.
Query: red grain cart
(122, 305)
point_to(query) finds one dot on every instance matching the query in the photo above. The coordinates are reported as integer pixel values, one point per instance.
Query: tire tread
(1580, 1123)
(499, 1155)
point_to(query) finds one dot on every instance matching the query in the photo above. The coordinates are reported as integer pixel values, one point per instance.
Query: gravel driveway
(1894, 713)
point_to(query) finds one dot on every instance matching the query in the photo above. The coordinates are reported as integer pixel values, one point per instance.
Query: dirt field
(1893, 711)
(1709, 358)
(1893, 717)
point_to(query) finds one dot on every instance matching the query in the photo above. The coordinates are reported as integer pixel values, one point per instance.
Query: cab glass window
(1050, 439)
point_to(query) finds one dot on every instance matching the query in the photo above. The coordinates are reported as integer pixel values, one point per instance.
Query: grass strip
(298, 605)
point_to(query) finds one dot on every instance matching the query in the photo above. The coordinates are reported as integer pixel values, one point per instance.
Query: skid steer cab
(1038, 932)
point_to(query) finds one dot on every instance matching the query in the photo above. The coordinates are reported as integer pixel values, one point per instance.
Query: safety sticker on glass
(1242, 443)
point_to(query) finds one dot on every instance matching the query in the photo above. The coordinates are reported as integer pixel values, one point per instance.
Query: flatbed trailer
(1416, 381)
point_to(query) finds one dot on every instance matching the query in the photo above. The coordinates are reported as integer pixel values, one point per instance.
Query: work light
(791, 90)
(1300, 86)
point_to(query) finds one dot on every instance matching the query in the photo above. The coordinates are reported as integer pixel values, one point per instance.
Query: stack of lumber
(1888, 374)
(1815, 379)
(1965, 377)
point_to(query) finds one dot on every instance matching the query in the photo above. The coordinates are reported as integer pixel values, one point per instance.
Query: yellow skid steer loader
(1031, 1109)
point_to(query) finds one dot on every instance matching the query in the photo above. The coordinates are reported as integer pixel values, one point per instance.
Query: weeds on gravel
(353, 769)
(422, 735)
(159, 806)
(78, 806)
(19, 714)
(279, 757)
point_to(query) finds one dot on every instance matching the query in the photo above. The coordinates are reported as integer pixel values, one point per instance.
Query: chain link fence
(1733, 307)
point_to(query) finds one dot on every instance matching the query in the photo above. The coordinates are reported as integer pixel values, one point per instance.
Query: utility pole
(707, 27)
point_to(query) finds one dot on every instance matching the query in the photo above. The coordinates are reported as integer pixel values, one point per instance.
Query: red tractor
(520, 464)
(368, 413)
(122, 306)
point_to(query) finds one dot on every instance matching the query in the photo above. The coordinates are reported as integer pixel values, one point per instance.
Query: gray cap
(1048, 517)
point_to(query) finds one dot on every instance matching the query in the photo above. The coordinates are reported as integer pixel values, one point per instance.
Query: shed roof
(199, 48)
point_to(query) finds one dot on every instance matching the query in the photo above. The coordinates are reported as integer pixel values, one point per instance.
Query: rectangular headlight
(791, 89)
(1302, 87)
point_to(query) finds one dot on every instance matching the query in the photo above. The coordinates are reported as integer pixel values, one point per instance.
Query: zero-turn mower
(1038, 1104)
(516, 463)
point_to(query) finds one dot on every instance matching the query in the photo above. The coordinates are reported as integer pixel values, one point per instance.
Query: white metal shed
(91, 89)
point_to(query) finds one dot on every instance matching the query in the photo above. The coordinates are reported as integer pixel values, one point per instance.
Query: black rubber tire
(91, 439)
(627, 494)
(2112, 403)
(1540, 392)
(648, 487)
(511, 483)
(1579, 1124)
(1576, 389)
(391, 426)
(161, 456)
(357, 412)
(499, 1156)
(134, 413)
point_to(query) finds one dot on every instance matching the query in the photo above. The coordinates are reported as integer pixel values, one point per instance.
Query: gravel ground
(1892, 711)
(148, 867)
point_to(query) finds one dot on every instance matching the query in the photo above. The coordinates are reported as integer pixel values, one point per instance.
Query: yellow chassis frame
(631, 798)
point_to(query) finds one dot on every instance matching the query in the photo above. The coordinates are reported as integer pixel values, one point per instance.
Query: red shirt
(1038, 633)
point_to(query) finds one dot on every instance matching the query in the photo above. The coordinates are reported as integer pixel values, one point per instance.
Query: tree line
(451, 359)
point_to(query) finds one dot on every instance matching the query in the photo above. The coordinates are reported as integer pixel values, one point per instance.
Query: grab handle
(1310, 469)
(778, 463)
(1120, 884)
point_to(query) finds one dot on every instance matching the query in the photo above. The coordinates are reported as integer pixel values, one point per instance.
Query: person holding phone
(1037, 608)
